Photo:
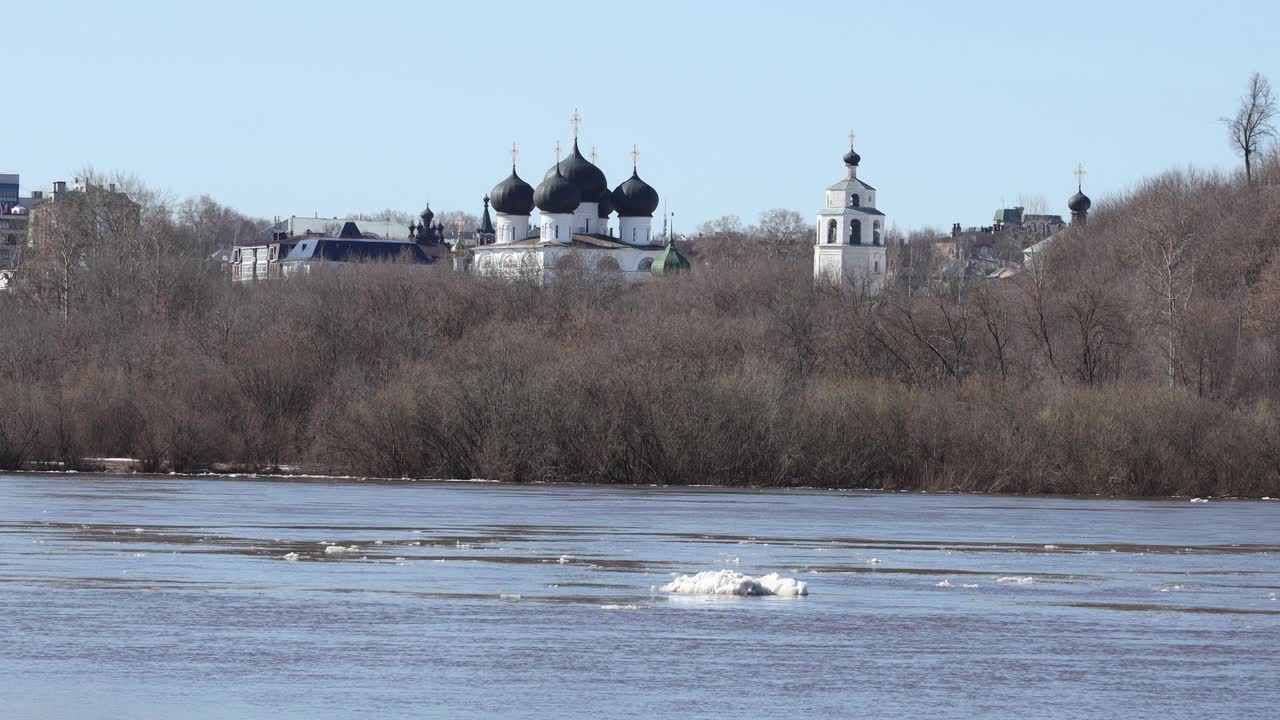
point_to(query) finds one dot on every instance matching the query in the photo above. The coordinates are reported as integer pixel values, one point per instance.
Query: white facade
(849, 241)
(540, 261)
(510, 228)
(635, 230)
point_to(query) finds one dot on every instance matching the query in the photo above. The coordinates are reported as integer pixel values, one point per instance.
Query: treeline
(1138, 357)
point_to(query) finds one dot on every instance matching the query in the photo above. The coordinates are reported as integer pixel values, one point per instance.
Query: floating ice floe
(732, 582)
(565, 559)
(949, 584)
(291, 557)
(1016, 580)
(873, 561)
(944, 584)
(620, 607)
(1052, 547)
(510, 596)
(1199, 500)
(339, 550)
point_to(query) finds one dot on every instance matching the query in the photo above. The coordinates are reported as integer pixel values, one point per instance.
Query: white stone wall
(635, 230)
(541, 263)
(510, 228)
(556, 227)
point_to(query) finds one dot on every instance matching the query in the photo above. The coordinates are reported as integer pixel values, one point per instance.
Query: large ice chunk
(732, 582)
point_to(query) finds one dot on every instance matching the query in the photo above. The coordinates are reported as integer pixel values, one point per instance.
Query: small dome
(852, 158)
(606, 206)
(581, 172)
(669, 261)
(557, 195)
(427, 216)
(1079, 203)
(635, 198)
(512, 196)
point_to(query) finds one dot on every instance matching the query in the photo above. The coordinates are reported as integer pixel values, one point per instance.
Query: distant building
(297, 225)
(90, 214)
(849, 249)
(288, 255)
(8, 193)
(573, 233)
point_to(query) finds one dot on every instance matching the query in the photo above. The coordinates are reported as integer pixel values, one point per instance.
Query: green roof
(669, 261)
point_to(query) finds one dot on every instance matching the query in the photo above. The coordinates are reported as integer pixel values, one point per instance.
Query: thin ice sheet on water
(732, 582)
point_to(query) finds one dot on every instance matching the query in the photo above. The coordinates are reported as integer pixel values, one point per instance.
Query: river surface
(172, 598)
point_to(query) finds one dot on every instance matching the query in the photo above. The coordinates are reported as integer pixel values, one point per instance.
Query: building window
(855, 201)
(831, 232)
(645, 265)
(11, 240)
(875, 233)
(877, 267)
(855, 232)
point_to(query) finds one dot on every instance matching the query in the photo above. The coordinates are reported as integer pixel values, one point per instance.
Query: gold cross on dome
(576, 121)
(557, 152)
(515, 154)
(852, 136)
(635, 155)
(1080, 173)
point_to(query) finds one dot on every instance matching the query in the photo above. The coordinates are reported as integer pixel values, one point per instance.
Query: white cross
(576, 121)
(1080, 173)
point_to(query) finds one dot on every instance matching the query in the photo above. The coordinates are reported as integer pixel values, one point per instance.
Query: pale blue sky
(282, 108)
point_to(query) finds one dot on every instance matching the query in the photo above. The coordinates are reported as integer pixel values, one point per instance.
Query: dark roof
(486, 223)
(635, 197)
(860, 209)
(580, 171)
(351, 250)
(1079, 203)
(512, 196)
(350, 232)
(556, 194)
(852, 158)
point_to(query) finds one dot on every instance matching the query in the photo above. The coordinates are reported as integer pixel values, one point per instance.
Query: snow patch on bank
(732, 582)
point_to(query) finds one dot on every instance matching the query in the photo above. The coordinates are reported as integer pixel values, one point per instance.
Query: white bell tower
(849, 249)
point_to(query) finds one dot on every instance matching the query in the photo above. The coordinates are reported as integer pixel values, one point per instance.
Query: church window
(645, 265)
(875, 233)
(877, 267)
(608, 265)
(855, 232)
(831, 232)
(855, 201)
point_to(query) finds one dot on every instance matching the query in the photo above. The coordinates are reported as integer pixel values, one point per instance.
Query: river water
(172, 598)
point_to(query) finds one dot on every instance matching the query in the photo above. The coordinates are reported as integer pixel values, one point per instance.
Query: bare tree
(1252, 125)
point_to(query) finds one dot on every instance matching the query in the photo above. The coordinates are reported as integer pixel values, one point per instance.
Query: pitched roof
(853, 184)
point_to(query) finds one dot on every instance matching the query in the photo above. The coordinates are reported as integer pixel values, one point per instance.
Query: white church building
(573, 230)
(849, 249)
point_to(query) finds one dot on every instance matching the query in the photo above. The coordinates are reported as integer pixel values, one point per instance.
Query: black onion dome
(512, 196)
(852, 158)
(556, 194)
(1079, 203)
(581, 172)
(635, 198)
(427, 216)
(606, 206)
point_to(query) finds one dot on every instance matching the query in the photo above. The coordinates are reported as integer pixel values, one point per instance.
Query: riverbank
(119, 469)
